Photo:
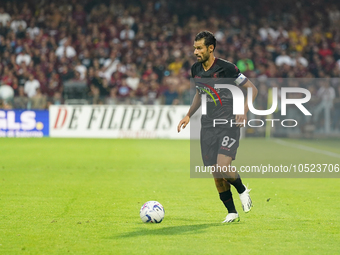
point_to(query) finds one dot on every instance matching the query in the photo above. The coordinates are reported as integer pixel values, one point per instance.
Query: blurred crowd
(140, 52)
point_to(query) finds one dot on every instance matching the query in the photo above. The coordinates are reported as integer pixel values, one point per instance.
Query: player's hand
(241, 118)
(184, 122)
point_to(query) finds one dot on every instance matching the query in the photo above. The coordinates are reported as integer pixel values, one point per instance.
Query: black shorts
(216, 141)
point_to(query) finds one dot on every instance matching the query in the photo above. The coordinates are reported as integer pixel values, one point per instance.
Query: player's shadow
(174, 230)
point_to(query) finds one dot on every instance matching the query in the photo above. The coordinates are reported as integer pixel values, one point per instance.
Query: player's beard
(204, 58)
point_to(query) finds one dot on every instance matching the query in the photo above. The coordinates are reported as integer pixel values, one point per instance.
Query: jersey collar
(211, 65)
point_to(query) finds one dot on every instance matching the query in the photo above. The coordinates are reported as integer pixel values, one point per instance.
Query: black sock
(227, 199)
(238, 185)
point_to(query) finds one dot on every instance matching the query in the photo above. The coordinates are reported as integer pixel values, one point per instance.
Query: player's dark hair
(209, 38)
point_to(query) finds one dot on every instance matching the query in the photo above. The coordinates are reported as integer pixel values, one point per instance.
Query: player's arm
(243, 117)
(196, 103)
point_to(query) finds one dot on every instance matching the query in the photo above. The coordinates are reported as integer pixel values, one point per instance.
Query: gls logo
(27, 121)
(238, 102)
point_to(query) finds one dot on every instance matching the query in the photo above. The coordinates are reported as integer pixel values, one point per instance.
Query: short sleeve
(233, 72)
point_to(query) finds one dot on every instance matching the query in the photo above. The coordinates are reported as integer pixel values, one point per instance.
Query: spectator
(66, 73)
(79, 15)
(81, 69)
(5, 105)
(31, 86)
(86, 58)
(33, 30)
(7, 78)
(153, 93)
(326, 94)
(23, 57)
(4, 17)
(266, 32)
(110, 65)
(127, 19)
(39, 101)
(176, 65)
(298, 58)
(123, 92)
(133, 80)
(111, 99)
(283, 59)
(245, 64)
(325, 50)
(36, 57)
(170, 96)
(127, 33)
(53, 86)
(98, 82)
(20, 101)
(281, 33)
(329, 64)
(66, 50)
(17, 22)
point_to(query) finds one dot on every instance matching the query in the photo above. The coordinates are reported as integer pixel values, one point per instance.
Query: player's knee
(221, 185)
(219, 181)
(230, 179)
(228, 172)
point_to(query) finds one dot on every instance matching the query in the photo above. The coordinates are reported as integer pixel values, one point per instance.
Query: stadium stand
(136, 52)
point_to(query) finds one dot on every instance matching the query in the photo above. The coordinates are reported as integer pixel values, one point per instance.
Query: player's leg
(223, 188)
(229, 174)
(209, 150)
(229, 142)
(234, 179)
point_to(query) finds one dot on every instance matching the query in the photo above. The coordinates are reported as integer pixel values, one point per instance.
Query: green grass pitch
(82, 196)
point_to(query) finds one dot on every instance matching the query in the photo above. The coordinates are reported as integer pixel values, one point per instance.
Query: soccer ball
(152, 212)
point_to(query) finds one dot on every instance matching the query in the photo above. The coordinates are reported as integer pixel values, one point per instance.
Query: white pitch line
(306, 148)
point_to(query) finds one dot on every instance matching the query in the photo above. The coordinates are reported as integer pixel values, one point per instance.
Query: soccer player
(219, 144)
